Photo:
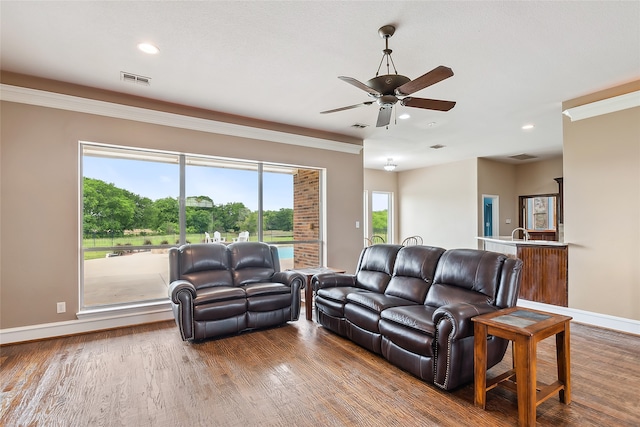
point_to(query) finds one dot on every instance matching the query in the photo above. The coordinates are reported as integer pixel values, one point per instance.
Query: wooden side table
(308, 273)
(525, 328)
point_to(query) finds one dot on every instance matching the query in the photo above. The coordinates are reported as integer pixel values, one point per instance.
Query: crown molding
(108, 109)
(605, 106)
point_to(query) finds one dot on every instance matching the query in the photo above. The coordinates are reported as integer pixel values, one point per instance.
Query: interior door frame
(495, 214)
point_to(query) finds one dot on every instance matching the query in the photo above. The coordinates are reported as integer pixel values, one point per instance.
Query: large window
(137, 204)
(381, 224)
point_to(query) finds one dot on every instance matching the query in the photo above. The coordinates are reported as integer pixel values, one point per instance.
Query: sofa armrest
(182, 293)
(332, 280)
(459, 315)
(181, 285)
(290, 278)
(453, 352)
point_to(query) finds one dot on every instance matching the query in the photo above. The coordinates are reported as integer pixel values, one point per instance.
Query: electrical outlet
(508, 221)
(61, 307)
(357, 224)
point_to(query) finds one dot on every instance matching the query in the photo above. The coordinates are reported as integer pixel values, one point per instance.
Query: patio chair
(243, 236)
(217, 238)
(207, 238)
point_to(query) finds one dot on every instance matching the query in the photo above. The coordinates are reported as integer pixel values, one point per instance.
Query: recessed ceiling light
(148, 48)
(527, 127)
(404, 116)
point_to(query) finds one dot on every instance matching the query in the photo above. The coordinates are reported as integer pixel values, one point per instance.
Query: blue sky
(158, 180)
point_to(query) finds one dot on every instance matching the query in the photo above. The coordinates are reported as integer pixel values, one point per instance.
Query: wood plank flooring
(296, 375)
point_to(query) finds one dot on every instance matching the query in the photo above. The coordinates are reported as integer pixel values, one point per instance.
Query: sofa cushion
(338, 294)
(220, 310)
(218, 293)
(210, 278)
(376, 302)
(205, 265)
(195, 258)
(409, 327)
(469, 269)
(376, 267)
(413, 272)
(268, 302)
(251, 262)
(266, 288)
(418, 317)
(441, 294)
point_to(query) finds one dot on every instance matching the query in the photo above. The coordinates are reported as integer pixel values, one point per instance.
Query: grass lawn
(170, 239)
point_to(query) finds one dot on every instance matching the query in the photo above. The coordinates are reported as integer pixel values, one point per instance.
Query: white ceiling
(514, 63)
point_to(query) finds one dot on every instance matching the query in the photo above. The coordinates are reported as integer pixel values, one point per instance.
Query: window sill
(136, 309)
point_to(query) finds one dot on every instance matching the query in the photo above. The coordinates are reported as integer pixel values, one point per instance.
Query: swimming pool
(285, 252)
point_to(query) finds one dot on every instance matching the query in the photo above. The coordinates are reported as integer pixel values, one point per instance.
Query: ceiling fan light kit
(389, 89)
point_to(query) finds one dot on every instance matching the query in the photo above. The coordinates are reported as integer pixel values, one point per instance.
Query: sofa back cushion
(204, 264)
(375, 267)
(466, 275)
(413, 272)
(253, 262)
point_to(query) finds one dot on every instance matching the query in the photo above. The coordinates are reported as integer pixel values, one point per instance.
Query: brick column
(306, 217)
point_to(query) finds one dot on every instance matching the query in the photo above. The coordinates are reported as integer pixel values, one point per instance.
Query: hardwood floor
(296, 375)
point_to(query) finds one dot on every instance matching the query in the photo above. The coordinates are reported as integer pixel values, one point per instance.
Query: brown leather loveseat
(218, 290)
(413, 305)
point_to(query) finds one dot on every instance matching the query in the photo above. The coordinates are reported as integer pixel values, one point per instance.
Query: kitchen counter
(506, 240)
(544, 269)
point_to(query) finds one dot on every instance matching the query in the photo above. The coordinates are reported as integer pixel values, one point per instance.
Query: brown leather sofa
(413, 305)
(218, 290)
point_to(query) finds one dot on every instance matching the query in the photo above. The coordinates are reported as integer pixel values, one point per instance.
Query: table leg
(526, 379)
(480, 364)
(308, 299)
(563, 359)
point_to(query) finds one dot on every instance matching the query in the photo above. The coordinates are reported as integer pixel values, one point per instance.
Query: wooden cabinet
(544, 274)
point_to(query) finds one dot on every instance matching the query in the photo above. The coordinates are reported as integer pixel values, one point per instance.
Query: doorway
(490, 221)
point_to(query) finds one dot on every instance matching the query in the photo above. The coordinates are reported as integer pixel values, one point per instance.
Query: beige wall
(538, 177)
(497, 179)
(440, 204)
(39, 180)
(508, 181)
(383, 181)
(602, 208)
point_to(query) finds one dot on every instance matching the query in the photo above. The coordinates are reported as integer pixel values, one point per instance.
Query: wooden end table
(308, 273)
(525, 328)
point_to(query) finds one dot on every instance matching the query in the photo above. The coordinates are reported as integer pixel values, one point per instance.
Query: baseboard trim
(109, 319)
(88, 322)
(606, 321)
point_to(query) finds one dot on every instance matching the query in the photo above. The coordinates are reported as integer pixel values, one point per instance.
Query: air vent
(437, 146)
(358, 125)
(134, 78)
(523, 157)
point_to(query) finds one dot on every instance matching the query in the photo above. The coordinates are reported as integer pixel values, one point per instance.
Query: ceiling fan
(388, 89)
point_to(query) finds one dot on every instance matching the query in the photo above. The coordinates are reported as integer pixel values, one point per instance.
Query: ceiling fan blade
(428, 104)
(432, 77)
(360, 85)
(384, 116)
(347, 108)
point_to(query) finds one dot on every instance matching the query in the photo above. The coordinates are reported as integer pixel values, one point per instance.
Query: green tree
(379, 222)
(145, 215)
(106, 208)
(167, 211)
(250, 223)
(231, 216)
(197, 220)
(278, 220)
